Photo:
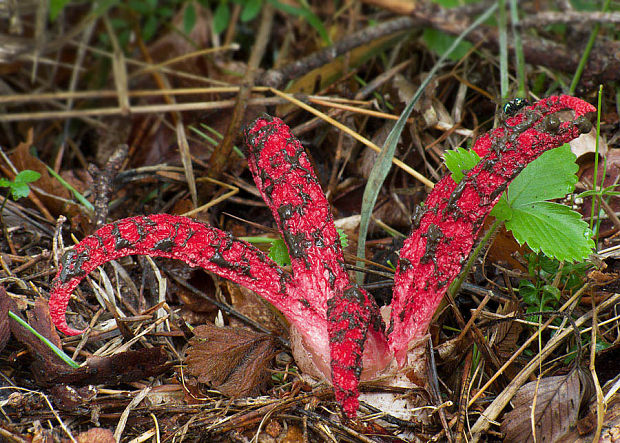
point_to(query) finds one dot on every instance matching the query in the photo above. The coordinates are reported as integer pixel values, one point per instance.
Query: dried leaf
(557, 407)
(252, 306)
(69, 398)
(124, 367)
(39, 319)
(232, 360)
(22, 159)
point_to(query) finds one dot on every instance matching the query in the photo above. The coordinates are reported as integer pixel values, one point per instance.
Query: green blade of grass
(79, 197)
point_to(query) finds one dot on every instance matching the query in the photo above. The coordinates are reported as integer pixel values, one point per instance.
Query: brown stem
(220, 157)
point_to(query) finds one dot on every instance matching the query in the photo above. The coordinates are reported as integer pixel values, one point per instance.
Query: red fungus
(164, 235)
(289, 186)
(445, 229)
(338, 323)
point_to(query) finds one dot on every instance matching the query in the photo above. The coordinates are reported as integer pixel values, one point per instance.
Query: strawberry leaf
(552, 228)
(278, 252)
(550, 176)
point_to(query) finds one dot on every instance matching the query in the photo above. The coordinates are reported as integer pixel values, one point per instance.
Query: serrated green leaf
(459, 161)
(27, 176)
(279, 253)
(552, 175)
(344, 238)
(502, 210)
(4, 183)
(554, 229)
(19, 190)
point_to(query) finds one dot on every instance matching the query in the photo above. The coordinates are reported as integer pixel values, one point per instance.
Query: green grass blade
(502, 24)
(586, 53)
(518, 48)
(59, 352)
(79, 197)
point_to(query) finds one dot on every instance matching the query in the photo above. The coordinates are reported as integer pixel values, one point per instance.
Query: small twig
(103, 183)
(568, 17)
(221, 156)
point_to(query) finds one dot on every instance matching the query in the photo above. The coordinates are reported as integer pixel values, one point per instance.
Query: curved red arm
(170, 236)
(445, 230)
(288, 184)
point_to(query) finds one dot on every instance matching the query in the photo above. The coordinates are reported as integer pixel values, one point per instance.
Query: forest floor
(133, 108)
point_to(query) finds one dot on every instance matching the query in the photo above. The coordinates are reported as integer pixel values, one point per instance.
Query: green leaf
(189, 18)
(549, 295)
(502, 209)
(27, 176)
(439, 42)
(4, 183)
(251, 10)
(19, 190)
(221, 17)
(149, 28)
(56, 6)
(528, 292)
(552, 175)
(279, 253)
(344, 238)
(554, 229)
(459, 161)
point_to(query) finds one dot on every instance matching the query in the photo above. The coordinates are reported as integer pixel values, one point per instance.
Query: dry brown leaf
(254, 307)
(586, 427)
(232, 360)
(557, 408)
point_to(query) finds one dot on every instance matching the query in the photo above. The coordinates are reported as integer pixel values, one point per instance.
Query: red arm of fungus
(287, 182)
(163, 235)
(445, 230)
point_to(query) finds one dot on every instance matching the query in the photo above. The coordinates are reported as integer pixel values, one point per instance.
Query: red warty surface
(339, 324)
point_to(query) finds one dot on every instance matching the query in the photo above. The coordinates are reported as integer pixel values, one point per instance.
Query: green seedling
(17, 188)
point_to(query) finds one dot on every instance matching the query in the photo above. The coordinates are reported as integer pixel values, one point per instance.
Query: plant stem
(456, 284)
